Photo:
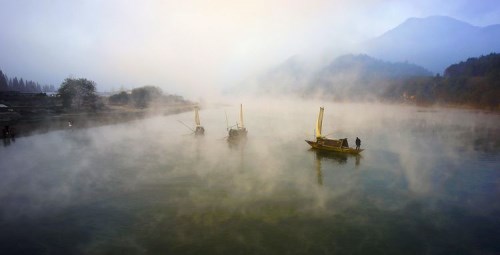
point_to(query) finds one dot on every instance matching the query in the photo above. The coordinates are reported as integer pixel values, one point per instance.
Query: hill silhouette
(346, 77)
(474, 83)
(434, 42)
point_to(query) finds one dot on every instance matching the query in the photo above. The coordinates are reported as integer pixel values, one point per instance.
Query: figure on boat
(6, 132)
(327, 144)
(8, 135)
(199, 130)
(240, 131)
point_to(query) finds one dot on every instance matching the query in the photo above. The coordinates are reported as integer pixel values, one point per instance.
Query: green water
(427, 183)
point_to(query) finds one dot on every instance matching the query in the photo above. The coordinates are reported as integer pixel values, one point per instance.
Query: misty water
(428, 182)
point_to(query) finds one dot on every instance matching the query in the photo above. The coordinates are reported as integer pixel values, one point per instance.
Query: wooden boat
(199, 130)
(240, 131)
(327, 144)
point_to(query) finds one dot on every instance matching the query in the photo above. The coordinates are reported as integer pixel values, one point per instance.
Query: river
(428, 182)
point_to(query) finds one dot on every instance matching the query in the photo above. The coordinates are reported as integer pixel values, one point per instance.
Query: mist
(157, 149)
(194, 48)
(152, 172)
(427, 176)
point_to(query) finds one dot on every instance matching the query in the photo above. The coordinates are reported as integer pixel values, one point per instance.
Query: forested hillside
(18, 84)
(475, 83)
(347, 77)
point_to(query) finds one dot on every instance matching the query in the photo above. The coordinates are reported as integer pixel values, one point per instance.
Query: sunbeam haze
(249, 127)
(196, 48)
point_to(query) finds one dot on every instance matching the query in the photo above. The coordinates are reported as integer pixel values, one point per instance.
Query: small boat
(327, 144)
(199, 130)
(240, 131)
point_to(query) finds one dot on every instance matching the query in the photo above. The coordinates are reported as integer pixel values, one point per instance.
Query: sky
(195, 48)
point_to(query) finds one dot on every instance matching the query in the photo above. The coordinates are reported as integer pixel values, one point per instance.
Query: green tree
(3, 82)
(143, 96)
(121, 98)
(78, 93)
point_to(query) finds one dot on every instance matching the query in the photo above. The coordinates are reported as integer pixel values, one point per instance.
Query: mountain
(289, 76)
(357, 76)
(473, 83)
(367, 68)
(348, 76)
(434, 42)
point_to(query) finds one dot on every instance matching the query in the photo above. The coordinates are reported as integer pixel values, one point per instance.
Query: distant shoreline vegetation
(144, 97)
(474, 83)
(15, 84)
(77, 105)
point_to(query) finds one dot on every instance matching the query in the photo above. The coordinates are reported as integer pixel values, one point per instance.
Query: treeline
(488, 65)
(144, 97)
(80, 94)
(474, 83)
(28, 86)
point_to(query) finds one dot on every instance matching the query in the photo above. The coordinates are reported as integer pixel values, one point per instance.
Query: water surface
(428, 182)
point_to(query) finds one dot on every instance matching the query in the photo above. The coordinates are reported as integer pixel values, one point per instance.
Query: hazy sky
(194, 48)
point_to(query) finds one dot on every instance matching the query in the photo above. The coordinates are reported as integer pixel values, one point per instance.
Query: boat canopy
(333, 142)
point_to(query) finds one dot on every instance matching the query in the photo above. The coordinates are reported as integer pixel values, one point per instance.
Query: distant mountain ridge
(368, 67)
(289, 76)
(434, 42)
(397, 67)
(357, 76)
(472, 83)
(345, 77)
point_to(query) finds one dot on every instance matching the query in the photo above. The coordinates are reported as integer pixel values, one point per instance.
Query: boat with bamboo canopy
(199, 130)
(239, 131)
(328, 144)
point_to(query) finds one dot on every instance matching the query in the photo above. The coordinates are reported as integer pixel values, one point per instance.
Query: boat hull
(237, 134)
(318, 146)
(199, 130)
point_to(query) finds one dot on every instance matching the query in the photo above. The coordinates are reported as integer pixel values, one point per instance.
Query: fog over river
(428, 182)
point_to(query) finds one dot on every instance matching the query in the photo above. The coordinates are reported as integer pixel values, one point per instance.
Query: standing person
(6, 132)
(358, 143)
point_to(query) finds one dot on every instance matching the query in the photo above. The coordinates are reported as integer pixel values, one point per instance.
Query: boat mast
(319, 123)
(241, 116)
(196, 116)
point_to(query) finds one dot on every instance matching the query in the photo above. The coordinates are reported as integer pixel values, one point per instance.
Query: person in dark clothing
(6, 132)
(358, 143)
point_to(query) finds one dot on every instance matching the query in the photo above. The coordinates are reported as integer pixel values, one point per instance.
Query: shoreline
(28, 126)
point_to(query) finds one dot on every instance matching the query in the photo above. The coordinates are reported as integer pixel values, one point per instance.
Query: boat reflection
(237, 146)
(337, 158)
(7, 141)
(236, 143)
(318, 170)
(200, 142)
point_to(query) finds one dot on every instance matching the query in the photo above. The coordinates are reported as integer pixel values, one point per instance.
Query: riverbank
(39, 124)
